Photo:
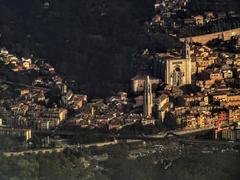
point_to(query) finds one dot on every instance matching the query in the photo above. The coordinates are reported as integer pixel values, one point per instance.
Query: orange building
(221, 97)
(216, 76)
(234, 116)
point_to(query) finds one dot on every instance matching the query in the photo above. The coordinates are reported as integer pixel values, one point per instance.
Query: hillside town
(120, 90)
(193, 87)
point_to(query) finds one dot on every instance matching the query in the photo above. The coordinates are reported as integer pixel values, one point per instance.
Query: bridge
(55, 132)
(68, 134)
(116, 139)
(163, 135)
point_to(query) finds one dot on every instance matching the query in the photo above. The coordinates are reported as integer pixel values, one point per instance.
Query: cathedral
(174, 70)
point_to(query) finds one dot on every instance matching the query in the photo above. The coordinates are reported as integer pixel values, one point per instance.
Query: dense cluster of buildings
(175, 17)
(44, 101)
(196, 87)
(106, 114)
(39, 99)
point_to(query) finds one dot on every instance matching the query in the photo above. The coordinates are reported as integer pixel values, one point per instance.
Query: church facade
(174, 70)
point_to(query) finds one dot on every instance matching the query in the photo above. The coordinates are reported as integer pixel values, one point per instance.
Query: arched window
(177, 76)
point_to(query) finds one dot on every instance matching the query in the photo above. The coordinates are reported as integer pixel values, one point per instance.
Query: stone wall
(204, 39)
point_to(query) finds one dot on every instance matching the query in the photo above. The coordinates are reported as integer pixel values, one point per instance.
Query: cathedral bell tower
(148, 99)
(186, 50)
(187, 56)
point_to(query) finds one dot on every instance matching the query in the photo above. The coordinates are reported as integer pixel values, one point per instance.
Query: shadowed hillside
(200, 6)
(91, 41)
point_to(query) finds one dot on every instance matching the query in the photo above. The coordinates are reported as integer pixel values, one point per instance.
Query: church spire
(186, 50)
(148, 99)
(187, 56)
